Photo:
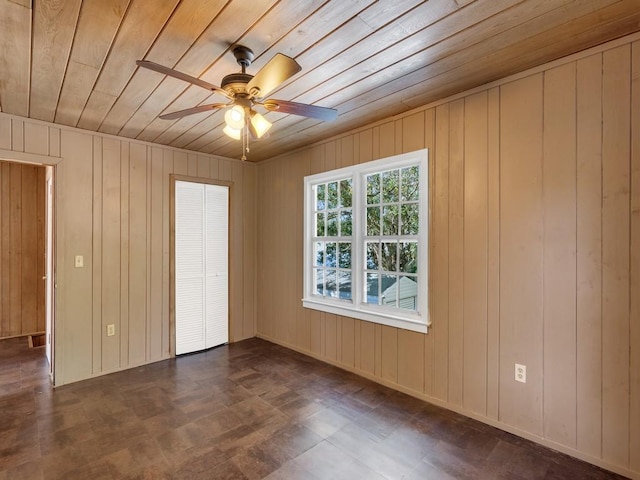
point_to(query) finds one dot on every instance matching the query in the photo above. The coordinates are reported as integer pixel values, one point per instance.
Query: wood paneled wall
(534, 256)
(22, 248)
(112, 207)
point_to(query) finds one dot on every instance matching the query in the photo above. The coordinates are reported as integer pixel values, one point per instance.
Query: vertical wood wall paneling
(32, 259)
(137, 254)
(559, 203)
(615, 254)
(36, 138)
(634, 271)
(521, 252)
(6, 280)
(456, 251)
(111, 253)
(475, 254)
(5, 133)
(249, 251)
(17, 135)
(125, 243)
(236, 290)
(15, 239)
(440, 261)
(493, 252)
(22, 245)
(167, 170)
(156, 214)
(96, 259)
(429, 346)
(76, 285)
(589, 255)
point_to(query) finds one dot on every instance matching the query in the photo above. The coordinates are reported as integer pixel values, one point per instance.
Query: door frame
(173, 178)
(56, 166)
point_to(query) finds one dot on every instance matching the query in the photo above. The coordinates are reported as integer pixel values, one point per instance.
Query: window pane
(372, 289)
(320, 197)
(346, 223)
(320, 225)
(332, 195)
(410, 219)
(344, 257)
(389, 290)
(373, 220)
(408, 293)
(410, 184)
(332, 224)
(373, 255)
(409, 257)
(373, 189)
(390, 220)
(345, 285)
(390, 186)
(331, 286)
(330, 254)
(319, 254)
(345, 193)
(319, 276)
(389, 256)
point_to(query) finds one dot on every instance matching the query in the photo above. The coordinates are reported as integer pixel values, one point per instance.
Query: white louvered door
(201, 261)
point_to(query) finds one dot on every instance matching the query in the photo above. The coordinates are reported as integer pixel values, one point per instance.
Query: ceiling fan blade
(192, 110)
(276, 71)
(303, 109)
(181, 76)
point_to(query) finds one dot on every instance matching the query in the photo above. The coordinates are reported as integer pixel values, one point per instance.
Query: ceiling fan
(244, 91)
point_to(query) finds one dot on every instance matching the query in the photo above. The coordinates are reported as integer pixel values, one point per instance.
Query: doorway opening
(27, 260)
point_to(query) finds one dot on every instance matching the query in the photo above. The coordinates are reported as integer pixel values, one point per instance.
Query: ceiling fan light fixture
(260, 124)
(235, 117)
(232, 132)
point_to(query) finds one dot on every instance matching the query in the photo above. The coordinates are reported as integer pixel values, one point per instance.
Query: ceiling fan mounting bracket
(244, 56)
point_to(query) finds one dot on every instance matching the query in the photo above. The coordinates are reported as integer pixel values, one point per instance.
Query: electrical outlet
(111, 330)
(521, 373)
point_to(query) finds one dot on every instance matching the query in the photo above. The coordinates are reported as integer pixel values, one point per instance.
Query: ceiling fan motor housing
(236, 83)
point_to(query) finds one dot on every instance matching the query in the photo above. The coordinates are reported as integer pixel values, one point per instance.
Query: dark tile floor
(249, 410)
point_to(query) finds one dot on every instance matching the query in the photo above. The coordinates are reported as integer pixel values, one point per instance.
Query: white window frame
(356, 308)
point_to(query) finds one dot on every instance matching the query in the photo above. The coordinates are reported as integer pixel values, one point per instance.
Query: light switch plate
(79, 261)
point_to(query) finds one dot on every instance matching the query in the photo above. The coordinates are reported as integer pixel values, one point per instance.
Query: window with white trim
(366, 241)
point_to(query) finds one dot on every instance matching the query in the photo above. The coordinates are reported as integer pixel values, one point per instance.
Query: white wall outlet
(79, 261)
(521, 373)
(111, 330)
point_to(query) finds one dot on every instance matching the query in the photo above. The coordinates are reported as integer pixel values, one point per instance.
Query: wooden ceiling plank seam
(54, 26)
(154, 41)
(134, 37)
(198, 133)
(388, 54)
(133, 127)
(201, 56)
(164, 51)
(181, 125)
(318, 56)
(448, 90)
(82, 74)
(486, 45)
(16, 23)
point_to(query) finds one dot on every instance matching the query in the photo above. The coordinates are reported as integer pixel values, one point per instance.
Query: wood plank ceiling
(72, 62)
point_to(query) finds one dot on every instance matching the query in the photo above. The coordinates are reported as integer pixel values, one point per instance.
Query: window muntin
(333, 215)
(366, 249)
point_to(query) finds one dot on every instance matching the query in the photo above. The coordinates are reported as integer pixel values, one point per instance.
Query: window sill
(366, 315)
